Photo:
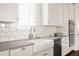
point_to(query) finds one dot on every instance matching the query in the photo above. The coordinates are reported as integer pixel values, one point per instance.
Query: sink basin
(39, 40)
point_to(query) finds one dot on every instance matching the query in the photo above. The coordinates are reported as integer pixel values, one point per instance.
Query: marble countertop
(9, 45)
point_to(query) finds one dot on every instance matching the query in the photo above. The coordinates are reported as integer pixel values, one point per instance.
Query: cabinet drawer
(25, 51)
(65, 46)
(48, 52)
(4, 53)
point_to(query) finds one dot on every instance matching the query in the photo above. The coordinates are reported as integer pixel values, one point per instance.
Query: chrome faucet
(36, 36)
(30, 34)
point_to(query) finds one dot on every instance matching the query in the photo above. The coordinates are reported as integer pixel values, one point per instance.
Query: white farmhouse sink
(41, 44)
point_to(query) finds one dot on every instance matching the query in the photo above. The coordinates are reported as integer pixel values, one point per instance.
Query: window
(27, 14)
(32, 14)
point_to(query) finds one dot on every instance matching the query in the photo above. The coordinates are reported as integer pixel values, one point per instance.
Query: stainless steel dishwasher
(57, 47)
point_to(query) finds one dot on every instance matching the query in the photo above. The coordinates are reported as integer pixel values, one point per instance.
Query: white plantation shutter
(27, 14)
(32, 14)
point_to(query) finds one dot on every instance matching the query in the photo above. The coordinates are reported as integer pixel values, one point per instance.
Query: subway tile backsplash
(11, 32)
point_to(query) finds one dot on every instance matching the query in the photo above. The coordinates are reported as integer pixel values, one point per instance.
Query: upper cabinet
(8, 12)
(52, 14)
(71, 11)
(65, 20)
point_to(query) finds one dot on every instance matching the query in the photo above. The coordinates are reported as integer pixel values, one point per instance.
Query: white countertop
(47, 37)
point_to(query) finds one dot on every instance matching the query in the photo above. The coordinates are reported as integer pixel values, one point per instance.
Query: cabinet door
(65, 46)
(4, 53)
(55, 14)
(65, 25)
(71, 11)
(8, 12)
(25, 51)
(77, 42)
(48, 52)
(77, 27)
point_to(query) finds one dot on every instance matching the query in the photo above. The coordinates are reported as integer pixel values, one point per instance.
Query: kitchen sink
(39, 40)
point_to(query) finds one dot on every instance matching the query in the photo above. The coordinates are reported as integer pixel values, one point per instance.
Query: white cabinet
(69, 14)
(71, 11)
(4, 53)
(77, 27)
(52, 14)
(65, 46)
(65, 20)
(25, 51)
(8, 12)
(47, 52)
(76, 42)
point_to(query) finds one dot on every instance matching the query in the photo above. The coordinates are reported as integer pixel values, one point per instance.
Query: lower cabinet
(47, 52)
(65, 46)
(25, 51)
(4, 53)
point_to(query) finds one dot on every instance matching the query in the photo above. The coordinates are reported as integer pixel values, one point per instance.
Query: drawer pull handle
(23, 48)
(45, 54)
